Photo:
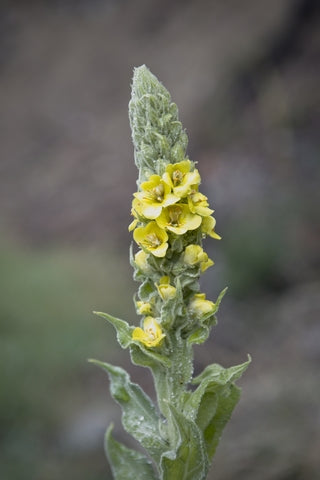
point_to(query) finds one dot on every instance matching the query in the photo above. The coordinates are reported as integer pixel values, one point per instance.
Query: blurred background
(245, 76)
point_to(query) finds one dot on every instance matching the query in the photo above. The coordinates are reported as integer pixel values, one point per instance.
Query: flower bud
(141, 261)
(200, 307)
(166, 291)
(194, 255)
(144, 308)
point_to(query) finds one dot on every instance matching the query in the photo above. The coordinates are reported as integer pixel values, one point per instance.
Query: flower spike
(171, 217)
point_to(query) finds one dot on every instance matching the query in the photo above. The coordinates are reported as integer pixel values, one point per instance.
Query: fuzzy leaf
(172, 308)
(146, 290)
(188, 461)
(155, 126)
(226, 402)
(219, 299)
(141, 355)
(139, 415)
(125, 462)
(124, 331)
(200, 335)
(213, 402)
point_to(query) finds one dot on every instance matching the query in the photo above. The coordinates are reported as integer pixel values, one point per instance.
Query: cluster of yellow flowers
(171, 203)
(165, 207)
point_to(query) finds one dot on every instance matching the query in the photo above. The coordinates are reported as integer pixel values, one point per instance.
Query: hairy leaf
(125, 462)
(213, 402)
(124, 331)
(188, 461)
(220, 375)
(141, 355)
(139, 415)
(146, 290)
(213, 425)
(200, 335)
(219, 299)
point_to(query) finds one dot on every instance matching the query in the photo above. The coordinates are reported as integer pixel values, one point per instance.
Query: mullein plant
(171, 217)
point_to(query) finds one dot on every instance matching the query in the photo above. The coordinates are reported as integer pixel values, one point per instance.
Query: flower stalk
(171, 217)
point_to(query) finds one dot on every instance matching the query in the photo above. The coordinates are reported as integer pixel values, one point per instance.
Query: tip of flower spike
(145, 82)
(141, 74)
(139, 70)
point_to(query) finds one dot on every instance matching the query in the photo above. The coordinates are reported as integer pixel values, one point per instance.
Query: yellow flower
(200, 307)
(154, 195)
(143, 308)
(207, 227)
(178, 219)
(133, 224)
(152, 238)
(140, 259)
(151, 335)
(166, 291)
(136, 205)
(179, 177)
(198, 203)
(194, 255)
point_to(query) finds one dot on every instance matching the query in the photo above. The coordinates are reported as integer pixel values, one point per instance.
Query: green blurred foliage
(253, 258)
(47, 333)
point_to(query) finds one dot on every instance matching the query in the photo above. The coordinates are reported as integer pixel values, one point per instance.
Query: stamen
(151, 332)
(174, 215)
(177, 177)
(153, 240)
(158, 192)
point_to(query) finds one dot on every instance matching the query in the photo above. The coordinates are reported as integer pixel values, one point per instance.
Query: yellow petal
(152, 238)
(139, 334)
(207, 227)
(201, 307)
(198, 203)
(151, 335)
(160, 251)
(205, 265)
(141, 260)
(180, 178)
(155, 194)
(192, 222)
(144, 308)
(192, 254)
(133, 225)
(178, 219)
(166, 291)
(190, 179)
(151, 211)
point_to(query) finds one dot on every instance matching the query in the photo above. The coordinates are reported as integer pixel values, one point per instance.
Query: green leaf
(139, 415)
(141, 355)
(188, 461)
(124, 331)
(219, 299)
(200, 335)
(125, 462)
(225, 404)
(172, 308)
(146, 290)
(213, 402)
(220, 375)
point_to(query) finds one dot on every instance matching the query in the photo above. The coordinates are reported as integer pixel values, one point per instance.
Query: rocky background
(245, 76)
